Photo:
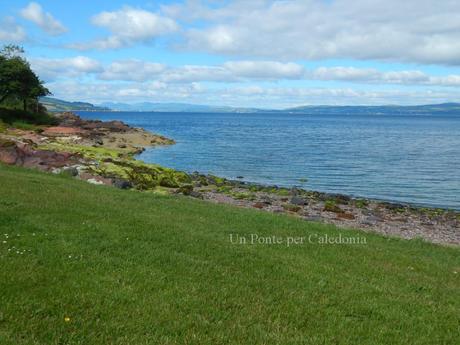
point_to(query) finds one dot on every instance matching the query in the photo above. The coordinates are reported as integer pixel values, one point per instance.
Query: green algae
(88, 152)
(331, 206)
(114, 163)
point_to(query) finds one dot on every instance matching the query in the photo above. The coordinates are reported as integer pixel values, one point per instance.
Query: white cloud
(390, 30)
(374, 76)
(249, 96)
(265, 69)
(132, 70)
(51, 69)
(34, 13)
(230, 72)
(10, 31)
(128, 26)
(346, 74)
(190, 73)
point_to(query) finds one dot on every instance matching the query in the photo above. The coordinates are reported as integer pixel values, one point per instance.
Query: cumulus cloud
(10, 31)
(51, 69)
(265, 69)
(250, 95)
(35, 13)
(128, 26)
(132, 70)
(374, 76)
(390, 30)
(190, 73)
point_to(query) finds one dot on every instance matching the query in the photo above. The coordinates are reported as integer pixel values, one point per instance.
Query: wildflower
(67, 319)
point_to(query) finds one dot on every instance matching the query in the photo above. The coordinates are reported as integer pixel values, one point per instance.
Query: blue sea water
(402, 158)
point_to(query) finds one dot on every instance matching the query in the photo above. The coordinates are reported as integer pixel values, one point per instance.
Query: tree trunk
(24, 102)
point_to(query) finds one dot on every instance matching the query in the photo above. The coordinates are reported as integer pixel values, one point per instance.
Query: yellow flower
(67, 319)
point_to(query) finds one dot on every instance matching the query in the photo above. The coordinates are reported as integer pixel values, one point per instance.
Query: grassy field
(84, 264)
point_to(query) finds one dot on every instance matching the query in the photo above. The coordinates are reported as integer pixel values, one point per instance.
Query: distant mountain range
(56, 105)
(174, 107)
(379, 110)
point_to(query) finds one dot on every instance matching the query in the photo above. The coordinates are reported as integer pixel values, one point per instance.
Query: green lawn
(86, 264)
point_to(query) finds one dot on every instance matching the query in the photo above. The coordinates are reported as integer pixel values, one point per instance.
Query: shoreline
(106, 153)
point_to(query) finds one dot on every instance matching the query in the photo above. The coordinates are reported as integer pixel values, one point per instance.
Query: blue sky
(259, 53)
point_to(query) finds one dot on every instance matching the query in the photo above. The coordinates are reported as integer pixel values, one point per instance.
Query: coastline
(105, 153)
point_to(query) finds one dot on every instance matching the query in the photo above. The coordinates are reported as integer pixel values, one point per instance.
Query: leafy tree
(17, 80)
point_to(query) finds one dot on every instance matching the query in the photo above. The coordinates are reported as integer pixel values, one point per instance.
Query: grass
(84, 264)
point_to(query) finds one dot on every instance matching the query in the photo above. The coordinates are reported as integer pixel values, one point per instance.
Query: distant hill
(174, 107)
(451, 108)
(56, 105)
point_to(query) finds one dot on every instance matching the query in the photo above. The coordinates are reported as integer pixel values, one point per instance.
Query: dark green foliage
(18, 83)
(10, 116)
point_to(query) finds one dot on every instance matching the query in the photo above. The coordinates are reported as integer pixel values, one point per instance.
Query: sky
(243, 53)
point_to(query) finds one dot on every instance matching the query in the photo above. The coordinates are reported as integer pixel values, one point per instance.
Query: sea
(399, 158)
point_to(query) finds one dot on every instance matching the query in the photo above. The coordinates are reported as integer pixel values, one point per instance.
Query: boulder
(259, 205)
(122, 184)
(195, 194)
(186, 190)
(295, 200)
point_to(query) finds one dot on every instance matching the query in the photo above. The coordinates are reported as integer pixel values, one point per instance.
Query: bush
(23, 125)
(10, 116)
(3, 127)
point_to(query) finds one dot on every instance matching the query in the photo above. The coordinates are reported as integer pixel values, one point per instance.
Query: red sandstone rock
(53, 131)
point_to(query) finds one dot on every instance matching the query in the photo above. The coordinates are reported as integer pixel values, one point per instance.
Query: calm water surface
(399, 158)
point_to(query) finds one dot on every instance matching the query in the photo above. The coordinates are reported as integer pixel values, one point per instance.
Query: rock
(371, 220)
(266, 200)
(71, 171)
(345, 215)
(94, 181)
(340, 198)
(122, 184)
(62, 131)
(295, 200)
(240, 177)
(99, 142)
(259, 205)
(122, 146)
(292, 208)
(393, 206)
(330, 206)
(294, 191)
(195, 194)
(313, 218)
(186, 190)
(24, 155)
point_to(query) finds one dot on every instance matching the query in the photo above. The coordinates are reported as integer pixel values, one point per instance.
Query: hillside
(173, 107)
(58, 105)
(429, 109)
(85, 264)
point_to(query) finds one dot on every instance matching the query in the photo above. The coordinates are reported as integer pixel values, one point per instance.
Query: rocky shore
(104, 153)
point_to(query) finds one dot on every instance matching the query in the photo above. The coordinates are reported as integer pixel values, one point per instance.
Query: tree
(17, 80)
